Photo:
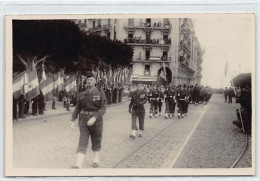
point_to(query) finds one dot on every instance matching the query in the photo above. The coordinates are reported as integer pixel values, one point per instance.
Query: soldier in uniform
(181, 98)
(160, 98)
(154, 97)
(196, 93)
(225, 93)
(186, 102)
(21, 106)
(136, 108)
(91, 106)
(169, 102)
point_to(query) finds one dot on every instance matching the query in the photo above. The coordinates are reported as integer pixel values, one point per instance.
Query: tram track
(242, 153)
(144, 144)
(176, 155)
(166, 128)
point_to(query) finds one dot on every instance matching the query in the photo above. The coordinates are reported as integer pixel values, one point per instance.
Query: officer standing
(21, 106)
(230, 95)
(91, 106)
(225, 93)
(136, 108)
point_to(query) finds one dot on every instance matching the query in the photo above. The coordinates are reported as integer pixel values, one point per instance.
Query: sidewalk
(60, 110)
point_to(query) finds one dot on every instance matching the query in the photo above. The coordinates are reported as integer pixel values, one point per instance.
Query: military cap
(90, 74)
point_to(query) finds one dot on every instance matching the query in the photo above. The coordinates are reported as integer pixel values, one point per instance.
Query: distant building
(171, 42)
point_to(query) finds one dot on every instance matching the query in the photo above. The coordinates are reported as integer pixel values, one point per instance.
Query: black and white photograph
(130, 95)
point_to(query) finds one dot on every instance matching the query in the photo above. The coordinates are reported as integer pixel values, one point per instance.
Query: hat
(90, 74)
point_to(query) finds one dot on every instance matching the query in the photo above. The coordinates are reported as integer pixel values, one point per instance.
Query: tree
(102, 52)
(64, 46)
(59, 41)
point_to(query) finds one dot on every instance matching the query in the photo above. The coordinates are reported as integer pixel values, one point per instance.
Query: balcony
(107, 27)
(95, 29)
(148, 27)
(153, 59)
(146, 43)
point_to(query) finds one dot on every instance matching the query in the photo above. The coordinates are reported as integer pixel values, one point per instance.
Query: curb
(39, 117)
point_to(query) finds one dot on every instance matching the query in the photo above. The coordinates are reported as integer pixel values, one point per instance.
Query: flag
(43, 74)
(60, 82)
(18, 85)
(31, 89)
(70, 84)
(47, 87)
(162, 77)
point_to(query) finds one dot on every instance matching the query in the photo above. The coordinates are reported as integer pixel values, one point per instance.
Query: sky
(226, 38)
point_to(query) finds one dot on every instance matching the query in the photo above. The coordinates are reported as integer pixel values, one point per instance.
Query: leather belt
(89, 112)
(153, 98)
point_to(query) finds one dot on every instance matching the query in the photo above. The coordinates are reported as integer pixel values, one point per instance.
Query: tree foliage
(65, 46)
(60, 39)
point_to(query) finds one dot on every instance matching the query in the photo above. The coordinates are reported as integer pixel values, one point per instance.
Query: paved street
(205, 138)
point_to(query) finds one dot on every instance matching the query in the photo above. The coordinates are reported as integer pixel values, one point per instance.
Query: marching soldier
(160, 98)
(154, 97)
(196, 93)
(170, 102)
(181, 98)
(186, 102)
(91, 106)
(136, 108)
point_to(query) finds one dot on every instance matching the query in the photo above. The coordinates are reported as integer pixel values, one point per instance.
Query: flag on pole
(60, 82)
(162, 77)
(70, 84)
(31, 89)
(47, 87)
(18, 85)
(43, 74)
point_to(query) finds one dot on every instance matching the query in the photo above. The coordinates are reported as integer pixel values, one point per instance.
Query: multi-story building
(157, 43)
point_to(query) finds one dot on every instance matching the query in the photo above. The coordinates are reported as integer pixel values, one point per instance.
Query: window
(108, 34)
(147, 54)
(131, 22)
(166, 23)
(148, 22)
(114, 33)
(109, 21)
(94, 24)
(130, 35)
(164, 56)
(99, 22)
(165, 36)
(147, 70)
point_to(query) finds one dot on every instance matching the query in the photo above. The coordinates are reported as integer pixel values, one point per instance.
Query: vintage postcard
(130, 95)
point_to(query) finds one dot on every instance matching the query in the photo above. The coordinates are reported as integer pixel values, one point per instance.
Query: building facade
(157, 43)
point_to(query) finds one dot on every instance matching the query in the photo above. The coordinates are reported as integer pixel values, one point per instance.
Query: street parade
(132, 96)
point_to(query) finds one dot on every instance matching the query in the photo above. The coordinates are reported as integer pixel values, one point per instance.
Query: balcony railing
(153, 59)
(139, 41)
(107, 27)
(154, 26)
(95, 29)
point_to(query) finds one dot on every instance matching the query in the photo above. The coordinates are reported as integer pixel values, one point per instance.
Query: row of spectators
(165, 41)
